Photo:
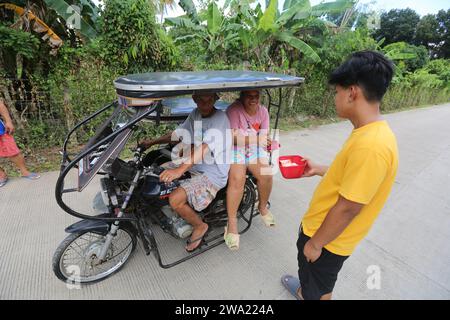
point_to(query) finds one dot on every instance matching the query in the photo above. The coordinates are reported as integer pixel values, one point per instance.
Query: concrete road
(405, 256)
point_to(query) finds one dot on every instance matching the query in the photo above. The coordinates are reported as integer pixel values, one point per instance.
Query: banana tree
(277, 38)
(22, 54)
(211, 26)
(262, 34)
(39, 17)
(79, 15)
(288, 29)
(31, 21)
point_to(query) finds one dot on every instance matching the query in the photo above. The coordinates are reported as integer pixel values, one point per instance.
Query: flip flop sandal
(292, 284)
(200, 240)
(231, 240)
(32, 176)
(268, 219)
(3, 181)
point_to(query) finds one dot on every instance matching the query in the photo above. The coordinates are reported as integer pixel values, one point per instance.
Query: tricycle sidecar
(131, 204)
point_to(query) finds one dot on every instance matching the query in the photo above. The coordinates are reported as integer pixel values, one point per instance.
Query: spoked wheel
(76, 258)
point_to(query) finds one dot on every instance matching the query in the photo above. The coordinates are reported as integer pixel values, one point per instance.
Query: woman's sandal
(231, 240)
(268, 219)
(201, 241)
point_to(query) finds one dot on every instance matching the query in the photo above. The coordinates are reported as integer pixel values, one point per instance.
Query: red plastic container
(292, 172)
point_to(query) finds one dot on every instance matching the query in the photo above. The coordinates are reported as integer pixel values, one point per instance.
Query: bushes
(80, 84)
(401, 96)
(315, 98)
(132, 41)
(426, 86)
(59, 91)
(441, 68)
(53, 93)
(407, 57)
(418, 81)
(14, 43)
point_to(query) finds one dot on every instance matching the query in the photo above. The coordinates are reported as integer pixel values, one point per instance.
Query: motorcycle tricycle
(131, 204)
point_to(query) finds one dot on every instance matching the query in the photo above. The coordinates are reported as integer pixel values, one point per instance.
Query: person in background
(9, 149)
(355, 187)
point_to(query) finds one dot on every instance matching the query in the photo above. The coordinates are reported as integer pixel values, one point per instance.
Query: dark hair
(205, 93)
(370, 70)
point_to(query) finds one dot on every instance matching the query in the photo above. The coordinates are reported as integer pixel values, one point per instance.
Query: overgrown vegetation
(49, 85)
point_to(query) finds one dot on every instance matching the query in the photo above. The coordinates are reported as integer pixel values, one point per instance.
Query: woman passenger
(249, 122)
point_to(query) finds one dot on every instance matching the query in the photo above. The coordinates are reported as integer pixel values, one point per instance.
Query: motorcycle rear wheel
(75, 259)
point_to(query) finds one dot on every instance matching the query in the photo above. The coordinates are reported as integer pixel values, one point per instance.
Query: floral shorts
(8, 147)
(248, 155)
(199, 189)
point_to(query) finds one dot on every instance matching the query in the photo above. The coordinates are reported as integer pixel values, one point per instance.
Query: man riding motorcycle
(206, 136)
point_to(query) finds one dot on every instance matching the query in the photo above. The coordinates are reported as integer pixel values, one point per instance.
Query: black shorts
(317, 278)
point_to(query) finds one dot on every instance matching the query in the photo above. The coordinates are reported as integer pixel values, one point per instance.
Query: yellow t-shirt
(364, 172)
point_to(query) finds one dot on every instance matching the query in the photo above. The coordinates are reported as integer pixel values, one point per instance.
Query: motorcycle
(132, 203)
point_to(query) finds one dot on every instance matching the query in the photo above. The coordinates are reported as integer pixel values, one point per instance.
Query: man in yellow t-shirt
(355, 187)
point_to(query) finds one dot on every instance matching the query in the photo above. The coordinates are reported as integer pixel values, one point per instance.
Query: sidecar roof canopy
(157, 85)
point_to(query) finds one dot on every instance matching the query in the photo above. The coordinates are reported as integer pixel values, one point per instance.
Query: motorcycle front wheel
(75, 260)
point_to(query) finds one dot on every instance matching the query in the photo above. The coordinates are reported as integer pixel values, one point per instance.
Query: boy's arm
(314, 169)
(337, 219)
(362, 177)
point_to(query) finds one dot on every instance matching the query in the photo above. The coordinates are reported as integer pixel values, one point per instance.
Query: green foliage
(132, 40)
(189, 7)
(209, 28)
(86, 18)
(267, 22)
(335, 50)
(79, 85)
(402, 95)
(57, 92)
(434, 75)
(443, 18)
(422, 78)
(18, 42)
(214, 19)
(251, 34)
(407, 57)
(441, 68)
(427, 31)
(15, 45)
(398, 25)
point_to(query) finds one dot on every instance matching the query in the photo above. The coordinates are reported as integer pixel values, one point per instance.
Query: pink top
(248, 125)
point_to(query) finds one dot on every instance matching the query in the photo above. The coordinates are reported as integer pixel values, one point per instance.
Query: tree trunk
(292, 92)
(69, 113)
(19, 66)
